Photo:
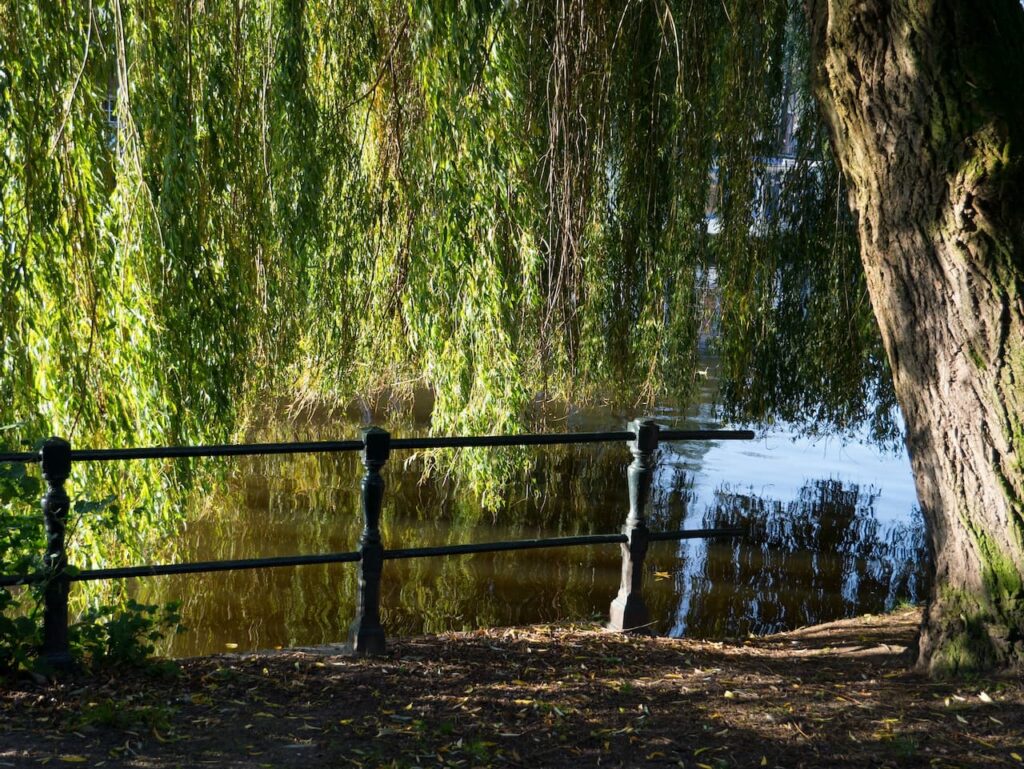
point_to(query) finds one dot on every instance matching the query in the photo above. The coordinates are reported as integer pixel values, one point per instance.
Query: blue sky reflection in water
(835, 530)
(833, 533)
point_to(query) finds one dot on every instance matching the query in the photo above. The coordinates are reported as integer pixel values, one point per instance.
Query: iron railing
(628, 610)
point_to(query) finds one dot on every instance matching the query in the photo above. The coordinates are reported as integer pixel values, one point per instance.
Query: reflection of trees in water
(822, 556)
(308, 504)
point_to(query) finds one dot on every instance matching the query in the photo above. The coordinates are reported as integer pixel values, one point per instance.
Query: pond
(834, 531)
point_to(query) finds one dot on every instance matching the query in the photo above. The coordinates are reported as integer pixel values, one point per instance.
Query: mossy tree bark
(925, 104)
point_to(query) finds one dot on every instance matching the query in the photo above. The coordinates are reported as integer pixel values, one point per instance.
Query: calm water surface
(835, 531)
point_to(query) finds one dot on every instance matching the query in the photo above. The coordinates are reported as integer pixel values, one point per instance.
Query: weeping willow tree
(923, 100)
(205, 205)
(204, 202)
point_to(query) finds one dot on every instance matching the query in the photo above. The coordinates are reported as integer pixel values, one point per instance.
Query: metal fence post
(368, 635)
(628, 610)
(56, 466)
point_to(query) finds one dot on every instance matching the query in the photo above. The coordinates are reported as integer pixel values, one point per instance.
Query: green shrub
(21, 546)
(122, 634)
(112, 633)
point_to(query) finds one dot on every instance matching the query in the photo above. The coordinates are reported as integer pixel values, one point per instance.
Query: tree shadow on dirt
(837, 697)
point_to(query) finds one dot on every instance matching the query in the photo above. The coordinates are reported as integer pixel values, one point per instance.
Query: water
(835, 531)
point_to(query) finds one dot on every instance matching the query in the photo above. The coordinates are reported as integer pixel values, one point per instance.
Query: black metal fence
(628, 610)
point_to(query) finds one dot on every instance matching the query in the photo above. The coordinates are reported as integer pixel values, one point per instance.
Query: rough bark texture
(925, 103)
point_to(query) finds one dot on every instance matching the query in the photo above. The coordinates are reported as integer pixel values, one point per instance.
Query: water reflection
(820, 556)
(826, 541)
(835, 530)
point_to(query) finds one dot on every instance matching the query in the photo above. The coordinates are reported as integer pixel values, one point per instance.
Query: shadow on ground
(837, 695)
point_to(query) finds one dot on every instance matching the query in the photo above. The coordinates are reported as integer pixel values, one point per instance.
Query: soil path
(836, 695)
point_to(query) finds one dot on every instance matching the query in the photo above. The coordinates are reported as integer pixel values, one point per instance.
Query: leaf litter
(837, 695)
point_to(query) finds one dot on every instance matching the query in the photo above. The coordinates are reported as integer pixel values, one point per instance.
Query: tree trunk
(925, 104)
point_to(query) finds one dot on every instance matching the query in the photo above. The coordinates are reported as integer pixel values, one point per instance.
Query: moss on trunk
(962, 635)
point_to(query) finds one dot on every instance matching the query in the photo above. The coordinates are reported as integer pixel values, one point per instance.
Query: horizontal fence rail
(195, 567)
(628, 610)
(330, 447)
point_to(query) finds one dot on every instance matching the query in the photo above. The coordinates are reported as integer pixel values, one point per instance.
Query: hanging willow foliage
(206, 201)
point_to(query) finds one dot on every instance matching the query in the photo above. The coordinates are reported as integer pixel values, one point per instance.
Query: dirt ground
(836, 695)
